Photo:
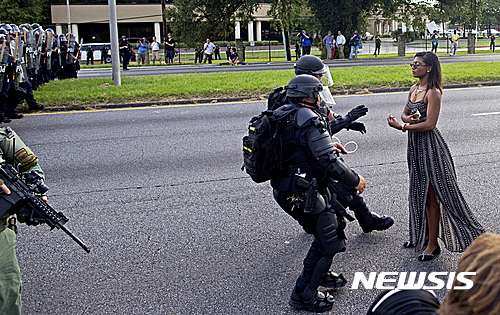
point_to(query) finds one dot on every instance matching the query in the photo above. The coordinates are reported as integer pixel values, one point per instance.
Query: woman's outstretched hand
(393, 122)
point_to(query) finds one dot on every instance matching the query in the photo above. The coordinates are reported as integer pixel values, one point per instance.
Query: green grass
(98, 91)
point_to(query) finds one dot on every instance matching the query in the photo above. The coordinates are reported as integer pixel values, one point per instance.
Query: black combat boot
(36, 106)
(312, 301)
(333, 280)
(369, 221)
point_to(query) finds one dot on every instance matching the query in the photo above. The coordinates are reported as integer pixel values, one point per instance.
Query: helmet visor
(326, 79)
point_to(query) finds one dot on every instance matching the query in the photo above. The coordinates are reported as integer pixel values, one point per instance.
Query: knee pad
(328, 234)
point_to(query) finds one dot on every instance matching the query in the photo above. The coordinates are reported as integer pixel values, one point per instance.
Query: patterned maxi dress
(430, 163)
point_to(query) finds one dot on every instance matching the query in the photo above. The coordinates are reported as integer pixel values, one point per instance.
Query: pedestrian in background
(378, 42)
(354, 43)
(297, 50)
(228, 51)
(125, 51)
(217, 52)
(233, 57)
(208, 49)
(104, 53)
(435, 41)
(492, 42)
(436, 204)
(340, 44)
(306, 42)
(454, 43)
(142, 47)
(90, 55)
(170, 52)
(329, 42)
(155, 51)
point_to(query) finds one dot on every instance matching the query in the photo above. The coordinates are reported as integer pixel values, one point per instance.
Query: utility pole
(69, 19)
(115, 49)
(164, 31)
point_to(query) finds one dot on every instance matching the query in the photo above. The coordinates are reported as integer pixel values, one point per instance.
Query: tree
(25, 11)
(196, 20)
(284, 12)
(491, 14)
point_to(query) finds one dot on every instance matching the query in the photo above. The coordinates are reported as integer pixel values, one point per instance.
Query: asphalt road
(176, 227)
(283, 65)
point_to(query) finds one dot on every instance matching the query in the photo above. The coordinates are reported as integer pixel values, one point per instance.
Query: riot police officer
(303, 190)
(312, 65)
(125, 50)
(71, 67)
(13, 150)
(62, 44)
(5, 60)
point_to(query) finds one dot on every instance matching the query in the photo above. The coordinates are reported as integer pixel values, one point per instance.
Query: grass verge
(100, 91)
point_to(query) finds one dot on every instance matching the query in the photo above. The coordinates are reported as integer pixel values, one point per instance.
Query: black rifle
(23, 195)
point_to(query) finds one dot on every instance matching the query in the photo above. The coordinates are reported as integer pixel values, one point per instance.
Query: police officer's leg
(329, 241)
(13, 99)
(10, 275)
(319, 258)
(368, 220)
(30, 99)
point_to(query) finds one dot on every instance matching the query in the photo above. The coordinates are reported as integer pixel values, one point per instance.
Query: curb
(247, 98)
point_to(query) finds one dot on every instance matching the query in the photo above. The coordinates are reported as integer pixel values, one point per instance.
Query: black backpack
(277, 99)
(262, 152)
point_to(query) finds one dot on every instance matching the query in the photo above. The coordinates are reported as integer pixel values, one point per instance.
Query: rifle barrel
(75, 238)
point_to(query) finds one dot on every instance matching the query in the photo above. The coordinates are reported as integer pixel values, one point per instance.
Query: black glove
(356, 126)
(25, 215)
(357, 112)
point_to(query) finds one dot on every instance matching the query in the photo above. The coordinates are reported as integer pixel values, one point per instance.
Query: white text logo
(412, 280)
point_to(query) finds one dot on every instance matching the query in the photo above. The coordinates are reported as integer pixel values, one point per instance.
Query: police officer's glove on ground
(358, 111)
(357, 126)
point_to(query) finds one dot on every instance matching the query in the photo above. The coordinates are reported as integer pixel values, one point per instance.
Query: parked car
(492, 31)
(97, 51)
(368, 36)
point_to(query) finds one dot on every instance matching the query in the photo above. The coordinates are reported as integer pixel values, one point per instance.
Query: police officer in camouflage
(312, 65)
(12, 151)
(303, 190)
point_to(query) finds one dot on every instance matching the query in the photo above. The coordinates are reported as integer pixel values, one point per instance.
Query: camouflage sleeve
(14, 151)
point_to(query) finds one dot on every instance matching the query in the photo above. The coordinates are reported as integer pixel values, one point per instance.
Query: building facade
(89, 21)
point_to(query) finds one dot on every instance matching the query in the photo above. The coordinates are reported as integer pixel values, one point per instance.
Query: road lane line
(486, 114)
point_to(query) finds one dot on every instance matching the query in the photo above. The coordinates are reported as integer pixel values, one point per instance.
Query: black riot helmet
(303, 85)
(14, 29)
(35, 26)
(37, 31)
(6, 27)
(26, 26)
(309, 64)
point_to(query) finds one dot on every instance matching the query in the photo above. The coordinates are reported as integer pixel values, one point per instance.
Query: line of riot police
(30, 57)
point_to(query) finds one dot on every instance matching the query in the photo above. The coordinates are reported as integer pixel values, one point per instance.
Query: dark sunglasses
(414, 65)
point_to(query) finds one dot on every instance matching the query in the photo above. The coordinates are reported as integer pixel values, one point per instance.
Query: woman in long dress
(437, 206)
